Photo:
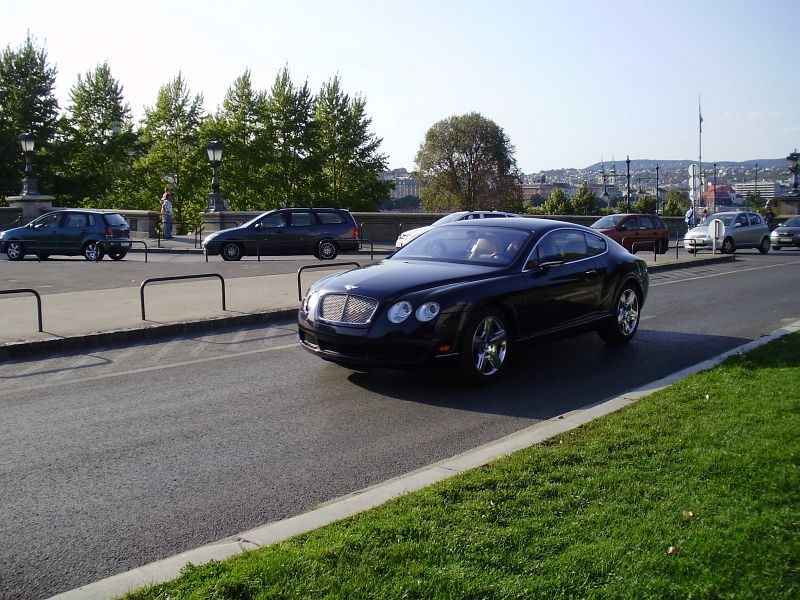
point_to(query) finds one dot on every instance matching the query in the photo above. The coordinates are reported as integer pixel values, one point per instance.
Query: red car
(635, 232)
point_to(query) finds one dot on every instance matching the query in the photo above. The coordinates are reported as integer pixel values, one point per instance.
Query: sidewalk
(92, 318)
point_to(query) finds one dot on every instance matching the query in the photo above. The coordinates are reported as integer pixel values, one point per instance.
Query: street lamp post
(657, 211)
(715, 187)
(215, 201)
(792, 159)
(28, 142)
(628, 191)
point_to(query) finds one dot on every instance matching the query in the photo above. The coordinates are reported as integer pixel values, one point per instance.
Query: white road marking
(652, 285)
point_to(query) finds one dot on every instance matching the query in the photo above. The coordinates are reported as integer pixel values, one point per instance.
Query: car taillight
(109, 233)
(355, 233)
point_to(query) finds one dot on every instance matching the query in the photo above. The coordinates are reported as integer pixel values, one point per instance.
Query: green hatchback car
(71, 232)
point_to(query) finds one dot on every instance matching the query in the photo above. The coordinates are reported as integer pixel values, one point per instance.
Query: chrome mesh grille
(346, 308)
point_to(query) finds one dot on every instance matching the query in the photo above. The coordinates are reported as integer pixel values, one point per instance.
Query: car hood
(14, 231)
(413, 233)
(786, 230)
(390, 278)
(700, 230)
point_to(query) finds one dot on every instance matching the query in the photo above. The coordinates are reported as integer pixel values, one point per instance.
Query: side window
(470, 217)
(492, 216)
(741, 219)
(76, 220)
(301, 219)
(594, 244)
(49, 221)
(646, 223)
(754, 219)
(563, 245)
(629, 224)
(330, 218)
(91, 220)
(273, 221)
(574, 246)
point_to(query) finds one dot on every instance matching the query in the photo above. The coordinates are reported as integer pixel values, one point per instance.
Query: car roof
(526, 223)
(96, 211)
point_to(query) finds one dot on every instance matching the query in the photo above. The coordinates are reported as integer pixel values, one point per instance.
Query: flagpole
(700, 154)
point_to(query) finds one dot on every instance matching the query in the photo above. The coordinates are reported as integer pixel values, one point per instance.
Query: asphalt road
(118, 457)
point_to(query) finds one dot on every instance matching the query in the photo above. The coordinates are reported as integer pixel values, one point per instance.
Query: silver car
(786, 234)
(463, 215)
(739, 230)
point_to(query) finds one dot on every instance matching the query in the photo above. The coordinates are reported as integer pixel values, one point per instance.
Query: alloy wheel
(489, 346)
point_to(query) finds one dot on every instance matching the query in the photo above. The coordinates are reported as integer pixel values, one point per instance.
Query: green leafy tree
(239, 124)
(468, 162)
(98, 143)
(347, 151)
(175, 156)
(676, 203)
(644, 204)
(27, 104)
(583, 203)
(290, 111)
(755, 203)
(558, 203)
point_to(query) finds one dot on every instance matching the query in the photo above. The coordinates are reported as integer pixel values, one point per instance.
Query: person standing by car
(689, 217)
(703, 216)
(166, 213)
(770, 218)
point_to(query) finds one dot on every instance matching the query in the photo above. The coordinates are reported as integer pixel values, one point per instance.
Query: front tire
(763, 248)
(327, 250)
(231, 251)
(93, 251)
(484, 347)
(117, 254)
(728, 247)
(15, 250)
(625, 322)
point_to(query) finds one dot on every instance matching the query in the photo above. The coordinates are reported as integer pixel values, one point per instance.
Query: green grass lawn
(689, 493)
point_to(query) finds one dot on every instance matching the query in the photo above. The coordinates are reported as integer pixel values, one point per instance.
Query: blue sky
(569, 82)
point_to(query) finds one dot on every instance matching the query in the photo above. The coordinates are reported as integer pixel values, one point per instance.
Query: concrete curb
(711, 260)
(139, 334)
(346, 506)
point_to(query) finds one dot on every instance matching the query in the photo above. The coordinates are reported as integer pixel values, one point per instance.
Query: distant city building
(405, 183)
(721, 194)
(545, 189)
(767, 190)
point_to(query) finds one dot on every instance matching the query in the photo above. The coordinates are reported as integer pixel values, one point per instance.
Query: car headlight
(427, 311)
(400, 311)
(309, 306)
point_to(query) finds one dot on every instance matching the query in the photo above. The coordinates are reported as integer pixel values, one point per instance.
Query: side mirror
(737, 225)
(257, 226)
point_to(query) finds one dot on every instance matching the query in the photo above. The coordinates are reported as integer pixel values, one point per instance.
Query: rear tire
(43, 255)
(625, 321)
(327, 250)
(15, 250)
(484, 347)
(231, 251)
(117, 254)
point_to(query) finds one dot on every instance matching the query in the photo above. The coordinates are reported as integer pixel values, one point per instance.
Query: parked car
(464, 215)
(739, 230)
(70, 232)
(635, 231)
(470, 292)
(323, 232)
(786, 234)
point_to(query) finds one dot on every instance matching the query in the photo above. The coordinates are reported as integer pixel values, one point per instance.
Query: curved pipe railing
(38, 301)
(325, 266)
(178, 278)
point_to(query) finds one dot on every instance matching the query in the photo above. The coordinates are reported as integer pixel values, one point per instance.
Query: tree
(290, 112)
(239, 124)
(556, 204)
(175, 155)
(347, 152)
(583, 203)
(97, 148)
(27, 104)
(468, 162)
(676, 203)
(644, 204)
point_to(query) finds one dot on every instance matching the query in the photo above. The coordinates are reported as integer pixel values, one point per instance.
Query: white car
(463, 215)
(740, 230)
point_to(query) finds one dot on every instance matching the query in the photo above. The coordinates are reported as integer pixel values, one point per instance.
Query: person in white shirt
(166, 213)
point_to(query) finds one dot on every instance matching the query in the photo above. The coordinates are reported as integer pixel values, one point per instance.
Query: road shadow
(545, 381)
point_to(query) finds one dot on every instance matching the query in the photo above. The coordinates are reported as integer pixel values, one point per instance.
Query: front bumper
(786, 239)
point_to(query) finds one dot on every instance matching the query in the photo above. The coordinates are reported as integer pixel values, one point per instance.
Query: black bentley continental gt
(471, 292)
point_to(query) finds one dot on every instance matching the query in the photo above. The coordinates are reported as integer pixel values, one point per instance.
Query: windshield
(608, 222)
(253, 220)
(487, 245)
(793, 222)
(726, 218)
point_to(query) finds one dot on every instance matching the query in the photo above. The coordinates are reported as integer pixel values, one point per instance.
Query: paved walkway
(91, 318)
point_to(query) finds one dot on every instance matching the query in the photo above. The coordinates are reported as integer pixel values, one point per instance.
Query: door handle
(590, 272)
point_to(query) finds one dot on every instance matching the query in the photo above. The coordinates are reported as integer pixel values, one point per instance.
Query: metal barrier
(161, 228)
(132, 242)
(198, 233)
(371, 247)
(176, 278)
(325, 266)
(38, 301)
(644, 243)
